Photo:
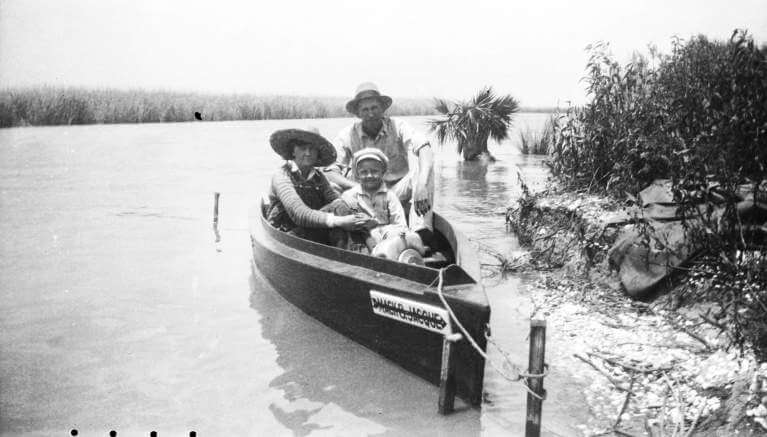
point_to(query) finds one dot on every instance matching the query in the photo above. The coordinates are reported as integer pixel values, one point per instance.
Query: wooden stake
(446, 377)
(535, 367)
(215, 207)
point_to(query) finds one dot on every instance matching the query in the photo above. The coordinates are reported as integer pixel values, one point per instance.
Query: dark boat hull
(334, 286)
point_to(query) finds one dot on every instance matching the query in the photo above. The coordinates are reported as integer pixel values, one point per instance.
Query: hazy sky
(533, 50)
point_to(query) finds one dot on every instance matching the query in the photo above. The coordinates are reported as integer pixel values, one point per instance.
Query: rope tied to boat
(508, 361)
(519, 376)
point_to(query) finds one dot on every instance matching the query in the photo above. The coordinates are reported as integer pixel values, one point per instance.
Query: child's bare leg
(370, 242)
(339, 238)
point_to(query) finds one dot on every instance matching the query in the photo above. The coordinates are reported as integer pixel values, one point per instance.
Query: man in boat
(411, 162)
(302, 201)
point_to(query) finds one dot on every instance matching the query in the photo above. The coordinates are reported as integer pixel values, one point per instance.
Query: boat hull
(335, 287)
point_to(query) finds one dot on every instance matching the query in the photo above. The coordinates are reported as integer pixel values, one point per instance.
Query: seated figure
(387, 232)
(301, 199)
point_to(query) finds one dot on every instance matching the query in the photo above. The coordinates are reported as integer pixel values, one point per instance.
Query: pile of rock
(652, 368)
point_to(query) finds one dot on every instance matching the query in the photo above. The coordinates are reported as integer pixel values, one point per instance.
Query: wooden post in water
(446, 377)
(215, 207)
(215, 219)
(535, 367)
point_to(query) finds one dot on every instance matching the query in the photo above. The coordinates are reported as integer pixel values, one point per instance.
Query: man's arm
(421, 197)
(420, 146)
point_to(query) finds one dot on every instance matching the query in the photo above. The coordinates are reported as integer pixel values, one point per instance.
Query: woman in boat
(302, 202)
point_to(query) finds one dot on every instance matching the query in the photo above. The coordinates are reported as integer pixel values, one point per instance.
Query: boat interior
(439, 251)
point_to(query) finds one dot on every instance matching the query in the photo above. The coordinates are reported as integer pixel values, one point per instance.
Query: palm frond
(470, 123)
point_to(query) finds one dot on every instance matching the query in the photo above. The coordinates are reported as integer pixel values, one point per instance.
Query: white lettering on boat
(415, 313)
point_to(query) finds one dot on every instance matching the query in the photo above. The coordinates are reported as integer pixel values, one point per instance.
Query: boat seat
(436, 260)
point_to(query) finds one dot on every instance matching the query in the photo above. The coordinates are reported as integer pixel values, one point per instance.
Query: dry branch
(627, 366)
(629, 393)
(618, 385)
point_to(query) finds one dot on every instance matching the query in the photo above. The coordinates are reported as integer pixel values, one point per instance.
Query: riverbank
(651, 368)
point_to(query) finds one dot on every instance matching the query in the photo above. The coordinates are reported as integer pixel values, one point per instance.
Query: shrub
(702, 112)
(607, 145)
(698, 117)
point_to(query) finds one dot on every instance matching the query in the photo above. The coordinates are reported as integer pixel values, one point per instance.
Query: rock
(717, 370)
(657, 192)
(759, 411)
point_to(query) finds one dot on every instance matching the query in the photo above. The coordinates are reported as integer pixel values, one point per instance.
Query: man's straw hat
(365, 91)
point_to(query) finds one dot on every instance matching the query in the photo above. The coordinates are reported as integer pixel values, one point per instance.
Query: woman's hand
(369, 222)
(352, 222)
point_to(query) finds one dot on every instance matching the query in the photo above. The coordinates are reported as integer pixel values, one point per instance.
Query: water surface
(119, 311)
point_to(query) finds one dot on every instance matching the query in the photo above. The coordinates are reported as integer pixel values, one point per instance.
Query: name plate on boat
(415, 313)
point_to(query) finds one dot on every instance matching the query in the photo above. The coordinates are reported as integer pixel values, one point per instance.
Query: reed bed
(40, 106)
(537, 142)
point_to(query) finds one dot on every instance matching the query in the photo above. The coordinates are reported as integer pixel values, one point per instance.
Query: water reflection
(475, 188)
(471, 178)
(329, 380)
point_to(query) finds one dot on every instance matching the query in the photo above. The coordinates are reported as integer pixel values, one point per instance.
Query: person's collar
(294, 169)
(385, 127)
(382, 189)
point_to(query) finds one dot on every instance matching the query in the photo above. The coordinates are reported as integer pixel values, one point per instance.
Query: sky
(533, 50)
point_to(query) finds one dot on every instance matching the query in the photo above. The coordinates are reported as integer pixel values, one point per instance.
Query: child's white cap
(370, 153)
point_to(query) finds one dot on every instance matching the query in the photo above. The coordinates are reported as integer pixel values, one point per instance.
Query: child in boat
(374, 199)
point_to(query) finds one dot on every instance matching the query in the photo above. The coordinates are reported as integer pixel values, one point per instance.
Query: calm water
(119, 311)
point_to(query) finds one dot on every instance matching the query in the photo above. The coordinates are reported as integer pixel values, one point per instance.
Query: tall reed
(537, 142)
(55, 106)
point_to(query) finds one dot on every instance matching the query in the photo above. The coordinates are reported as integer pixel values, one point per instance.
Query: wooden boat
(390, 307)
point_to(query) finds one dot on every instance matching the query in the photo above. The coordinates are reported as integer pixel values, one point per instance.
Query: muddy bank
(652, 367)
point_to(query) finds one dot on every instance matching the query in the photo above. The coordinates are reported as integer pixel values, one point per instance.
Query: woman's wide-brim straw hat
(370, 153)
(283, 141)
(365, 91)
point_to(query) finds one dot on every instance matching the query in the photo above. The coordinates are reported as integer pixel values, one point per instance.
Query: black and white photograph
(402, 218)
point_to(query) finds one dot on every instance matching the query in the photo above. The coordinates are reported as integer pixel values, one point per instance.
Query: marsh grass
(41, 106)
(537, 142)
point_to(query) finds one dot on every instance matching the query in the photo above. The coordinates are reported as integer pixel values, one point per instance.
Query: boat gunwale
(422, 275)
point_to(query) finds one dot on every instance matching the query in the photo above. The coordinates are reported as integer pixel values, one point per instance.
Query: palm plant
(472, 123)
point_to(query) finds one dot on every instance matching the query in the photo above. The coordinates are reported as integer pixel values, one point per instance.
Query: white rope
(479, 349)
